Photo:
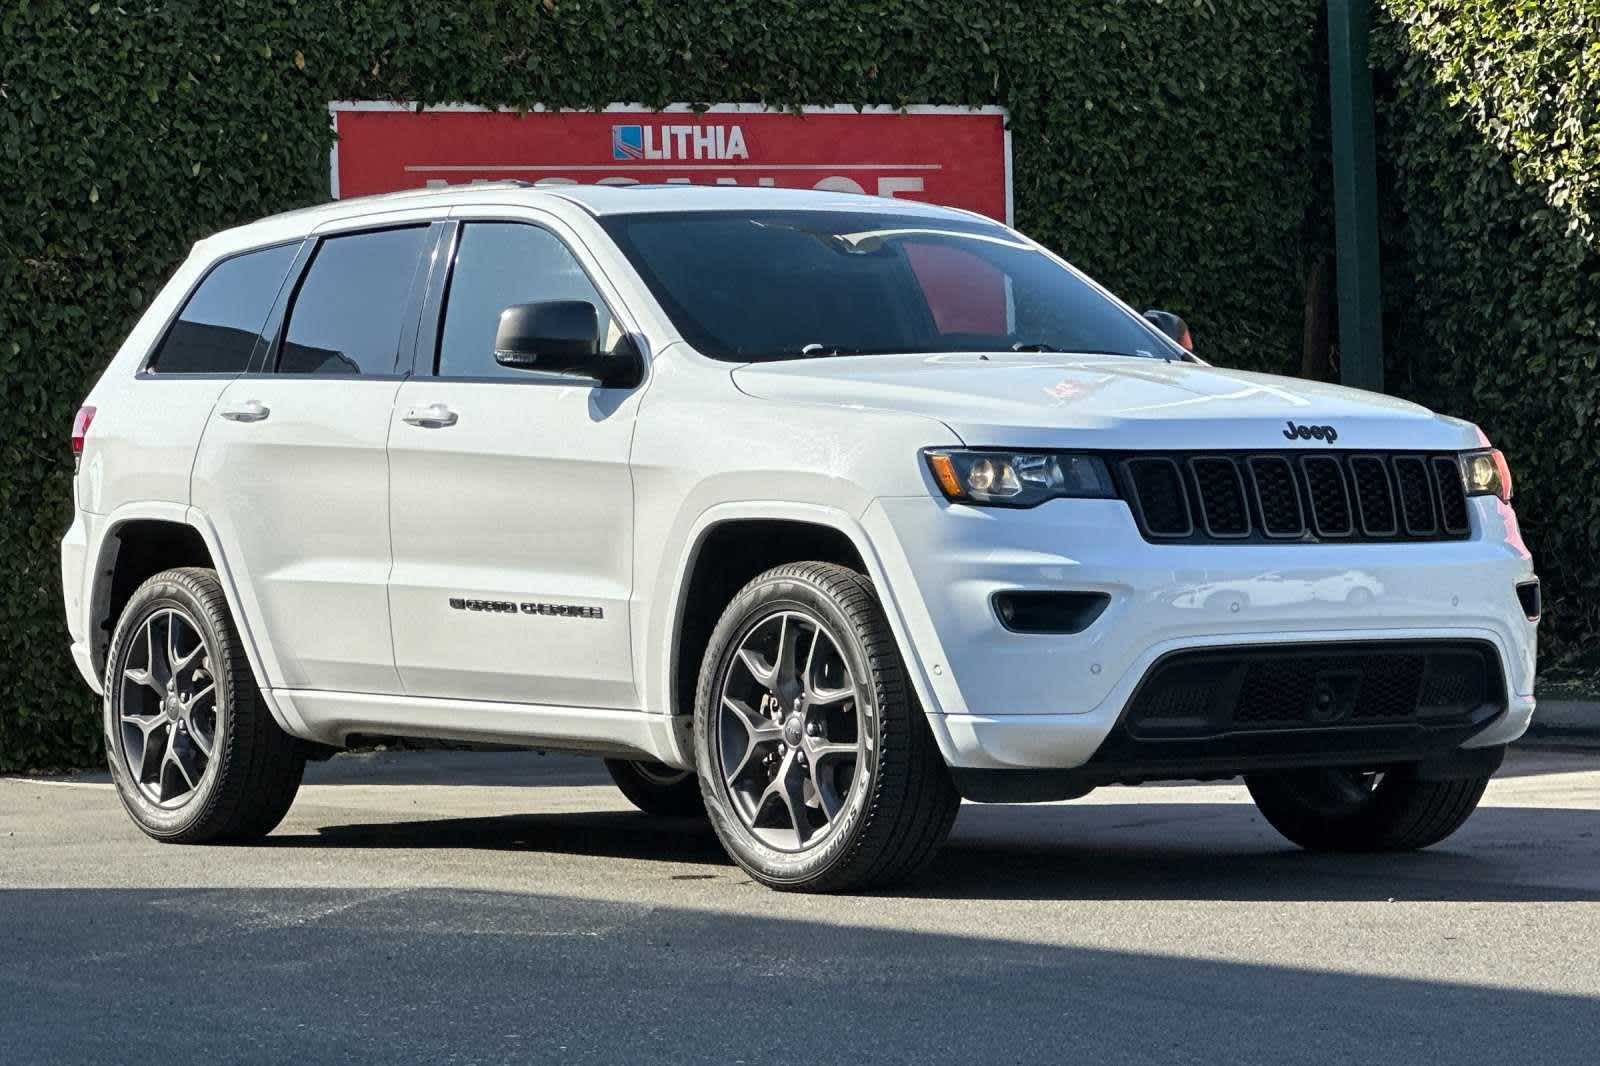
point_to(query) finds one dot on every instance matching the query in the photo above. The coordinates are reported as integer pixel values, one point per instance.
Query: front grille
(1222, 498)
(1214, 692)
(1338, 496)
(1158, 486)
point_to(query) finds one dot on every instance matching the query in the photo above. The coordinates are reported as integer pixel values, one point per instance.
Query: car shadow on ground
(1100, 851)
(608, 834)
(439, 974)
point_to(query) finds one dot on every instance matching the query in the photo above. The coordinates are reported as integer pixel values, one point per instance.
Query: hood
(1012, 399)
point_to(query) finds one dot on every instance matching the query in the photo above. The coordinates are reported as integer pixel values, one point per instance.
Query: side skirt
(331, 717)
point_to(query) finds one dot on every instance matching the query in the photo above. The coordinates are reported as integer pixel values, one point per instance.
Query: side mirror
(1172, 326)
(562, 337)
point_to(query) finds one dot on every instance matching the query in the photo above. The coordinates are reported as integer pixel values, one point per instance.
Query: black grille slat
(1294, 496)
(1415, 487)
(1374, 495)
(1223, 507)
(1162, 499)
(1452, 494)
(1330, 496)
(1277, 496)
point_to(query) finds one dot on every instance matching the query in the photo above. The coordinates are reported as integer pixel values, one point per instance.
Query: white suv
(820, 511)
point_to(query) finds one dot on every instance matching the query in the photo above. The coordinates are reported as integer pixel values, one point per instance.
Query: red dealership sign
(956, 156)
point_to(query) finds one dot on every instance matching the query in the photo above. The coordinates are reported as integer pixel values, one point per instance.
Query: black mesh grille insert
(1330, 498)
(1211, 692)
(1277, 496)
(1416, 495)
(1452, 494)
(1374, 497)
(1163, 503)
(1286, 690)
(1222, 500)
(1237, 497)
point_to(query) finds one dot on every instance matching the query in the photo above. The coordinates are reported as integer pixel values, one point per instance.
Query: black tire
(658, 789)
(1342, 810)
(900, 804)
(253, 771)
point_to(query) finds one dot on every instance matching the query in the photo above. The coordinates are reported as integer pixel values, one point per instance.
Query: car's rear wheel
(1353, 810)
(817, 766)
(194, 752)
(657, 789)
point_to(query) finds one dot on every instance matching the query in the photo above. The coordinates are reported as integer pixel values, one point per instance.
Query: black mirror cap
(563, 337)
(1172, 326)
(559, 336)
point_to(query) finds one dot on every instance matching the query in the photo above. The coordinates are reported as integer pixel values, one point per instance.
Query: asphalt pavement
(488, 907)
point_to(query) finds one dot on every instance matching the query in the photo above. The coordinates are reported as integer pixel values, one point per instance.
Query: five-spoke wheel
(194, 750)
(168, 709)
(817, 766)
(790, 730)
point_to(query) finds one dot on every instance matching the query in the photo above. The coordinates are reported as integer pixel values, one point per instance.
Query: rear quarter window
(219, 325)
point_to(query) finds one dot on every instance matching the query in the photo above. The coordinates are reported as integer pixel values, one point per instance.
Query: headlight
(1485, 473)
(1018, 479)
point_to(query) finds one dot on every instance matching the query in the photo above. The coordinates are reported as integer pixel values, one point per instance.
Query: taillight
(80, 429)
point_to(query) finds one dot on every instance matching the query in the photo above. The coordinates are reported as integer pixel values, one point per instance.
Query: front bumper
(1003, 700)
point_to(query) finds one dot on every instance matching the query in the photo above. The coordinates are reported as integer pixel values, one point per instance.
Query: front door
(292, 471)
(511, 501)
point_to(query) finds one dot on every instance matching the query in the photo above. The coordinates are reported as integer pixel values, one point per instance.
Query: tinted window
(347, 316)
(788, 284)
(499, 264)
(965, 293)
(217, 329)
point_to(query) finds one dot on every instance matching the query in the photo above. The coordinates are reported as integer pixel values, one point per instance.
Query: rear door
(292, 469)
(512, 505)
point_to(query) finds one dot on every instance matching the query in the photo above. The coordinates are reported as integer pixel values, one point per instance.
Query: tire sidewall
(158, 595)
(752, 607)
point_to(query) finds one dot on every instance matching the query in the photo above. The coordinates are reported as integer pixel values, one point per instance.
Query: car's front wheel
(1353, 810)
(195, 754)
(818, 768)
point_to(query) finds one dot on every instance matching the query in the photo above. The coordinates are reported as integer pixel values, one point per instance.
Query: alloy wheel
(167, 709)
(791, 733)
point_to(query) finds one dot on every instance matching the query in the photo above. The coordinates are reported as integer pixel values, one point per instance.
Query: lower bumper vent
(1233, 709)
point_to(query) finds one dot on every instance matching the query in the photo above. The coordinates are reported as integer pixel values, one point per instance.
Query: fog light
(1049, 612)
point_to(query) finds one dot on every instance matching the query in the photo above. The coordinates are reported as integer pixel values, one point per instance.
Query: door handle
(248, 411)
(431, 416)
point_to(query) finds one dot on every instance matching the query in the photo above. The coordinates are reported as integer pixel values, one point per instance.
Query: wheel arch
(141, 540)
(728, 547)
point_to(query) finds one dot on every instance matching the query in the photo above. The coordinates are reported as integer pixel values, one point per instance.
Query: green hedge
(1173, 148)
(1490, 141)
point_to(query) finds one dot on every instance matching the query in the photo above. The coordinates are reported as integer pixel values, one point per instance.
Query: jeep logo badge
(1327, 433)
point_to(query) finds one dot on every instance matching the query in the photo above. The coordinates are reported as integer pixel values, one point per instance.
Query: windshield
(749, 287)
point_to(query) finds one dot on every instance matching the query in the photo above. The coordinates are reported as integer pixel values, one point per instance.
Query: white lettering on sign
(641, 142)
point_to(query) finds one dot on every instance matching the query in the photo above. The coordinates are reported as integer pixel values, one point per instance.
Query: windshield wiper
(815, 350)
(1041, 346)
